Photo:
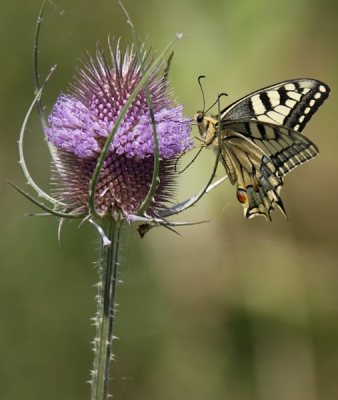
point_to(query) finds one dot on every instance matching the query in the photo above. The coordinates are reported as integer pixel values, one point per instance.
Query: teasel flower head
(81, 121)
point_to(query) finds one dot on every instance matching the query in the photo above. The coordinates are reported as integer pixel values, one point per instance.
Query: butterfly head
(206, 127)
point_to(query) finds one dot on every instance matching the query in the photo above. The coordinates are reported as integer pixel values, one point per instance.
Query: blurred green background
(233, 309)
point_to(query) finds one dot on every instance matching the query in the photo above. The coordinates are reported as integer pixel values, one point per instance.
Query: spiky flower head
(81, 121)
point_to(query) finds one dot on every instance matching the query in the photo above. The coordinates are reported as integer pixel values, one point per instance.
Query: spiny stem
(104, 319)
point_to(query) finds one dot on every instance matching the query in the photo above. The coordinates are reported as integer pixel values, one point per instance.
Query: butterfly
(261, 140)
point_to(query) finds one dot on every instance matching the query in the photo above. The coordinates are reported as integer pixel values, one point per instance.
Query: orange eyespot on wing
(242, 196)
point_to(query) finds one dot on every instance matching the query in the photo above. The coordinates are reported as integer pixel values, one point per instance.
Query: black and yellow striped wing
(257, 155)
(290, 103)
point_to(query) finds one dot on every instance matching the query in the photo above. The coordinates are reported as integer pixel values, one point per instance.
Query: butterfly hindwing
(286, 148)
(258, 183)
(261, 154)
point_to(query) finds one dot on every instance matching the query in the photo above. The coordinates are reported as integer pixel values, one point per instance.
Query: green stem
(104, 319)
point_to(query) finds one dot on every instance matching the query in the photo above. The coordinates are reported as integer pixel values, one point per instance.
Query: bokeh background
(232, 309)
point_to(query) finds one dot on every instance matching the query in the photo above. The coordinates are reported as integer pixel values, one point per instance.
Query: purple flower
(81, 121)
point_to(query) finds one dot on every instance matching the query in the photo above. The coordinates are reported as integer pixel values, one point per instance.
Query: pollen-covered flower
(81, 121)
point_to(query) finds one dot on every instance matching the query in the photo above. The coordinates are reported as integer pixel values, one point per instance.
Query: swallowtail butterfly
(262, 140)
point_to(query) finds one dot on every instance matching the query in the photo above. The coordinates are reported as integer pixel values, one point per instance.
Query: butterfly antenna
(199, 82)
(218, 97)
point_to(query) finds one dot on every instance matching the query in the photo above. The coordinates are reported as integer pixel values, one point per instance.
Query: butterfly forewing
(289, 103)
(261, 139)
